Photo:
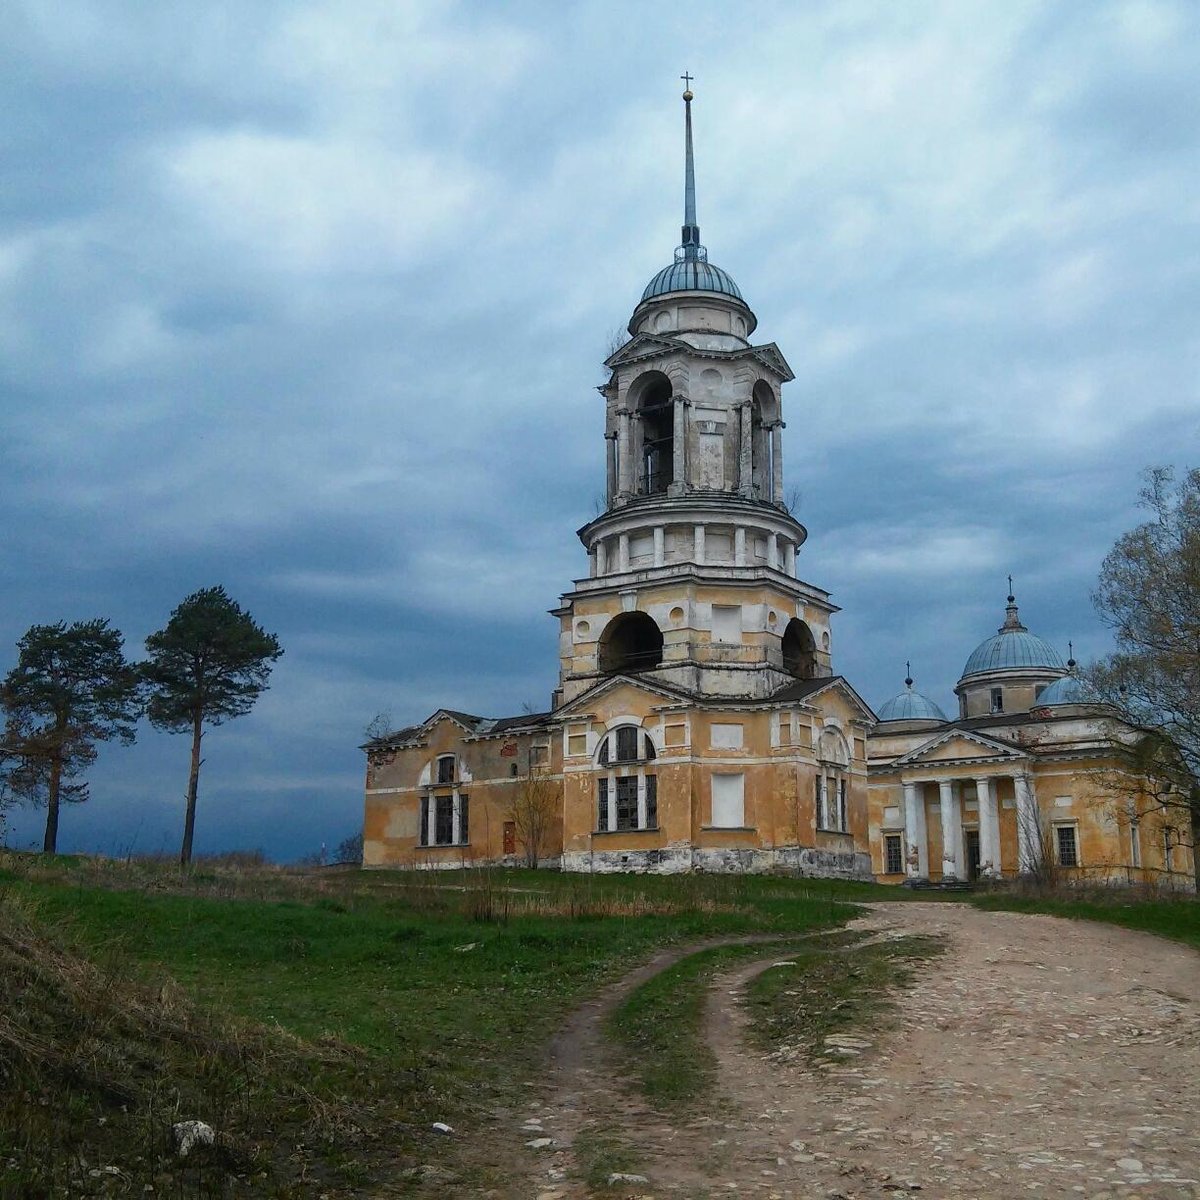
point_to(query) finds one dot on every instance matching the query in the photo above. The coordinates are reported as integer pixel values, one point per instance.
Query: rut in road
(1035, 1056)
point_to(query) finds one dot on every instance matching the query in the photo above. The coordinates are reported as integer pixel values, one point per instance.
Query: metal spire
(908, 679)
(690, 238)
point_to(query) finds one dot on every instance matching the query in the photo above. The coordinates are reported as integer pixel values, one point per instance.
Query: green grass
(450, 983)
(1178, 919)
(831, 990)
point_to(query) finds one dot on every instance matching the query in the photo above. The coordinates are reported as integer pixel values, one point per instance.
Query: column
(456, 819)
(625, 455)
(679, 465)
(622, 552)
(430, 819)
(951, 831)
(610, 445)
(698, 543)
(773, 550)
(739, 546)
(592, 563)
(989, 828)
(789, 550)
(777, 462)
(660, 546)
(601, 558)
(1029, 826)
(916, 841)
(745, 462)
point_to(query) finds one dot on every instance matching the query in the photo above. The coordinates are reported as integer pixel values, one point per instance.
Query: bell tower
(693, 565)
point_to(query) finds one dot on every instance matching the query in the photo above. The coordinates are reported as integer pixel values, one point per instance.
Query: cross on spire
(687, 80)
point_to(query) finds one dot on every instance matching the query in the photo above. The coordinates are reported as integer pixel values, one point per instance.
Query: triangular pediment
(772, 358)
(957, 745)
(664, 692)
(809, 691)
(641, 346)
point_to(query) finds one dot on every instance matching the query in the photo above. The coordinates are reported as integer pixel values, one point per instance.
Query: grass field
(450, 983)
(1175, 917)
(324, 1020)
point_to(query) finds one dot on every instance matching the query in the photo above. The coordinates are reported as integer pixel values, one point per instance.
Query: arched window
(764, 412)
(626, 792)
(625, 744)
(445, 810)
(630, 642)
(656, 414)
(799, 650)
(832, 787)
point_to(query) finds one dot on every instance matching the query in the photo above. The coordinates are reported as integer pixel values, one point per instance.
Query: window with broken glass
(444, 820)
(627, 794)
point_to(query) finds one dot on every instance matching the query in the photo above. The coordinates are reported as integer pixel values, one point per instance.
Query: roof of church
(910, 705)
(692, 275)
(1070, 689)
(1011, 647)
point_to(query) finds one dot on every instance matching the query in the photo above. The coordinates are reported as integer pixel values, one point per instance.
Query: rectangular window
(627, 798)
(1068, 851)
(423, 829)
(729, 801)
(602, 805)
(725, 737)
(727, 623)
(445, 769)
(651, 801)
(893, 854)
(843, 815)
(443, 834)
(627, 744)
(997, 700)
(577, 744)
(785, 728)
(464, 819)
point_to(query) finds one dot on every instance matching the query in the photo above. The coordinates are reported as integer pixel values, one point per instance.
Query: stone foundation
(791, 860)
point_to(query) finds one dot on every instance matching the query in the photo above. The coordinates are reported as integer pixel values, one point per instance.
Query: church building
(699, 722)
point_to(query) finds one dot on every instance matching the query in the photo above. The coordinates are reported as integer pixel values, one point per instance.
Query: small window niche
(729, 801)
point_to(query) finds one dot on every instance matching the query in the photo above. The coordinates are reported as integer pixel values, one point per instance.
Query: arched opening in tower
(764, 411)
(630, 642)
(799, 650)
(657, 412)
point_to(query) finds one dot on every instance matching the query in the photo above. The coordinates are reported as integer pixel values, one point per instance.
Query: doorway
(972, 840)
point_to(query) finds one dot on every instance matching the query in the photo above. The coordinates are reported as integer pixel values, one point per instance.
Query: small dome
(910, 706)
(692, 275)
(1013, 647)
(1070, 689)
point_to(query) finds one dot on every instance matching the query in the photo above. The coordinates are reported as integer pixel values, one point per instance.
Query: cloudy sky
(310, 300)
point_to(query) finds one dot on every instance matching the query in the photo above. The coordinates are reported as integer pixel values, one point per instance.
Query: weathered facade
(698, 723)
(1027, 780)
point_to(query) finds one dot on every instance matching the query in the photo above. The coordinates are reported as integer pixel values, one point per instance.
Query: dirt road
(1034, 1057)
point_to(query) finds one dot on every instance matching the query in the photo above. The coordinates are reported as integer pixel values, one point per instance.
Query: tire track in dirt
(1034, 1057)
